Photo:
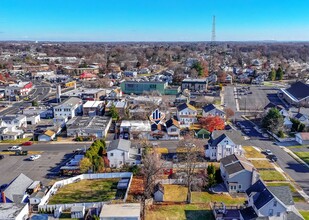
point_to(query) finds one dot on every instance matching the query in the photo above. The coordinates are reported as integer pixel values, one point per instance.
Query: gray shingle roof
(283, 193)
(17, 187)
(119, 144)
(218, 135)
(234, 164)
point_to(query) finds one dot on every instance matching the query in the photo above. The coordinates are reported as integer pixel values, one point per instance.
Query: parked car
(272, 158)
(268, 152)
(126, 136)
(15, 148)
(1, 157)
(27, 143)
(34, 157)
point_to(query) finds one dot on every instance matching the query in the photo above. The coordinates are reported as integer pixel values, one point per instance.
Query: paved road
(50, 147)
(40, 91)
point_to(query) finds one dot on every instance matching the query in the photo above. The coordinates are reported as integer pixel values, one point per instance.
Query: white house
(269, 202)
(70, 108)
(302, 138)
(173, 128)
(224, 143)
(11, 127)
(237, 173)
(120, 152)
(211, 110)
(33, 119)
(186, 115)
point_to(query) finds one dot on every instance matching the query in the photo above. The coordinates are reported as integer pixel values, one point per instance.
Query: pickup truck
(15, 148)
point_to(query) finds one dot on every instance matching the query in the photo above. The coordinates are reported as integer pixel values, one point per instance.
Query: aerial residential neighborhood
(117, 110)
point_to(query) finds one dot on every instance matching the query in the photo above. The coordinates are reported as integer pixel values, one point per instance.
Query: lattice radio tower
(212, 45)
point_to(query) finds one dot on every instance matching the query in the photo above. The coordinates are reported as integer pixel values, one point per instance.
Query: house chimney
(3, 197)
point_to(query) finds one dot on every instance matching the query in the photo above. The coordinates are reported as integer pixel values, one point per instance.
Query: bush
(280, 134)
(135, 169)
(79, 139)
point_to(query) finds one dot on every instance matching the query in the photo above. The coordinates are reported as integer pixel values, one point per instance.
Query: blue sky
(153, 20)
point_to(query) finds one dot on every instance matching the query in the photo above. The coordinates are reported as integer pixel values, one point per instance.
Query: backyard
(198, 209)
(86, 191)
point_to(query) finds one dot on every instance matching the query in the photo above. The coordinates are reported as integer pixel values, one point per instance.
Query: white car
(34, 157)
(15, 148)
(268, 152)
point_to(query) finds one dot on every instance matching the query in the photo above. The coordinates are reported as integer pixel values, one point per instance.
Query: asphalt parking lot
(256, 98)
(49, 163)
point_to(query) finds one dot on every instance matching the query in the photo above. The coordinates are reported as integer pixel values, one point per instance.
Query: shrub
(280, 134)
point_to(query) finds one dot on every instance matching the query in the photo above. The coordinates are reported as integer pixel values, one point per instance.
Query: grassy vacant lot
(271, 175)
(179, 212)
(305, 214)
(86, 191)
(251, 152)
(177, 193)
(262, 164)
(18, 141)
(303, 155)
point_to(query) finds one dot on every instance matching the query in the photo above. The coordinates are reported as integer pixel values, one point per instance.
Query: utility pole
(212, 45)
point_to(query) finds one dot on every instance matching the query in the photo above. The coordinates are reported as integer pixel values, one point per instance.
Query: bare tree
(192, 149)
(152, 166)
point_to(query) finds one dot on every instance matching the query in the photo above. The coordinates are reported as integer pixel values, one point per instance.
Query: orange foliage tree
(211, 123)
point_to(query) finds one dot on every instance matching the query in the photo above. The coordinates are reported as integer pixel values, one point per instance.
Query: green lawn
(271, 175)
(251, 152)
(305, 214)
(18, 141)
(179, 212)
(177, 193)
(262, 164)
(303, 155)
(86, 191)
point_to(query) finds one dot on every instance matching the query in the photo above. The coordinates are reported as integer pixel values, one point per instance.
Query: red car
(27, 143)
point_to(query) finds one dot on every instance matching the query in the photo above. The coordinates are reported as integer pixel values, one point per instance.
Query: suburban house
(224, 143)
(11, 127)
(211, 110)
(302, 138)
(19, 89)
(93, 108)
(15, 192)
(270, 202)
(237, 173)
(96, 126)
(70, 108)
(194, 85)
(114, 94)
(130, 211)
(297, 94)
(158, 194)
(33, 119)
(173, 128)
(186, 115)
(121, 152)
(78, 212)
(302, 118)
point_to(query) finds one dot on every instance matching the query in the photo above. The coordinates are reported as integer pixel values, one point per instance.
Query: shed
(78, 212)
(159, 193)
(203, 134)
(121, 211)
